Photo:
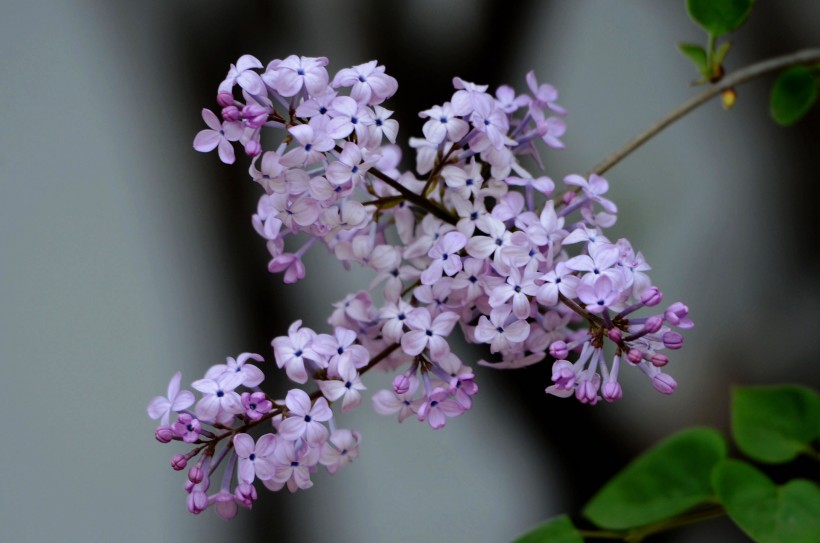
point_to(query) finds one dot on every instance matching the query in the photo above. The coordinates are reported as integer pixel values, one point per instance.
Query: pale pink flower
(426, 332)
(295, 73)
(306, 418)
(161, 407)
(497, 332)
(347, 387)
(341, 448)
(218, 135)
(219, 402)
(255, 459)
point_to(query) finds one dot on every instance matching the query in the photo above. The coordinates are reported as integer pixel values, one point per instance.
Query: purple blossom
(428, 333)
(306, 418)
(255, 459)
(369, 84)
(161, 407)
(218, 135)
(445, 257)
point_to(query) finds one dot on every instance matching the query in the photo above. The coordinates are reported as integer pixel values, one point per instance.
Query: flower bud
(164, 434)
(664, 383)
(401, 384)
(612, 391)
(559, 350)
(568, 197)
(255, 115)
(673, 340)
(652, 324)
(253, 148)
(246, 494)
(196, 474)
(634, 355)
(197, 502)
(614, 335)
(231, 113)
(659, 360)
(224, 99)
(179, 461)
(651, 297)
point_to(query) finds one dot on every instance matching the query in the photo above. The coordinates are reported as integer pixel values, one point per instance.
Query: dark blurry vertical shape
(204, 38)
(427, 80)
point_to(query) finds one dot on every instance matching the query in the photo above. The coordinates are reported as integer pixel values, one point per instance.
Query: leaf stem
(635, 535)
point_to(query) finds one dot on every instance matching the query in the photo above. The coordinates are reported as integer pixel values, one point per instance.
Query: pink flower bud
(634, 356)
(196, 474)
(179, 461)
(231, 113)
(676, 315)
(401, 384)
(568, 197)
(612, 391)
(246, 494)
(559, 350)
(255, 115)
(651, 297)
(253, 148)
(659, 360)
(614, 335)
(164, 434)
(197, 502)
(673, 340)
(224, 99)
(664, 383)
(653, 324)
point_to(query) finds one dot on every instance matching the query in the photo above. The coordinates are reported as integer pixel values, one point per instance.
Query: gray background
(125, 255)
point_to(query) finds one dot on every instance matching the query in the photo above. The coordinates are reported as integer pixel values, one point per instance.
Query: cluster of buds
(472, 238)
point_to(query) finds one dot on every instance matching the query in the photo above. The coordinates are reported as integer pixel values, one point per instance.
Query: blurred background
(125, 255)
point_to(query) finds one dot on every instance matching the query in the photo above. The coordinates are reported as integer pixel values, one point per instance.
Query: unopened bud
(178, 462)
(659, 360)
(224, 99)
(634, 355)
(614, 335)
(401, 384)
(612, 391)
(664, 384)
(653, 324)
(164, 434)
(196, 474)
(559, 350)
(673, 340)
(652, 296)
(231, 113)
(727, 98)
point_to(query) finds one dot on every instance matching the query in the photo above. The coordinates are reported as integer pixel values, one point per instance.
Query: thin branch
(807, 56)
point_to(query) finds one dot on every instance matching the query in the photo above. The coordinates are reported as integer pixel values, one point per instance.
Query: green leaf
(765, 512)
(793, 94)
(775, 424)
(696, 54)
(720, 54)
(719, 17)
(556, 530)
(668, 479)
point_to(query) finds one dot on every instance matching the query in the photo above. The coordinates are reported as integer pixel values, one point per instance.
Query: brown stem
(807, 56)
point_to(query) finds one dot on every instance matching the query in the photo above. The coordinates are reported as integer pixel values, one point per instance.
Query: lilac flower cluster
(479, 241)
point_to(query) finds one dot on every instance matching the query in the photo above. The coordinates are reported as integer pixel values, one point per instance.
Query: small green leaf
(793, 94)
(775, 424)
(720, 53)
(668, 479)
(696, 54)
(555, 530)
(765, 512)
(719, 17)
